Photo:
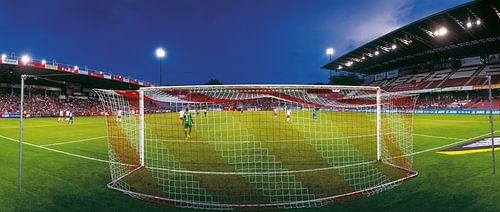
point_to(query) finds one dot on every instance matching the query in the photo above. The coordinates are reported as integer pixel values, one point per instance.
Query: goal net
(257, 146)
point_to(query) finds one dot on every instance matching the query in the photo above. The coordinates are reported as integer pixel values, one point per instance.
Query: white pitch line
(75, 141)
(105, 161)
(481, 121)
(433, 136)
(47, 125)
(451, 144)
(65, 153)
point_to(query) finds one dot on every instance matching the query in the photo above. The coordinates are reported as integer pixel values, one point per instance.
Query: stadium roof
(471, 29)
(11, 69)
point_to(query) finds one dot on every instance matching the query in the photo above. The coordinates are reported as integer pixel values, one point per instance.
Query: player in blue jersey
(71, 117)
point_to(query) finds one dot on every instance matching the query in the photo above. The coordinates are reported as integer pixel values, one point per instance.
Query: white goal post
(257, 146)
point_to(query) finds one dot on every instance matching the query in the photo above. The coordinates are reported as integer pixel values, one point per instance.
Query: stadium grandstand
(446, 58)
(54, 87)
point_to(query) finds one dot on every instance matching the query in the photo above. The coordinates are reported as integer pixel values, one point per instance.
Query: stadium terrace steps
(484, 104)
(471, 103)
(438, 78)
(490, 70)
(465, 76)
(460, 77)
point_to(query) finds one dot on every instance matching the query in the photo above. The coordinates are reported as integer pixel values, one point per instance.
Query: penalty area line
(75, 141)
(450, 144)
(433, 136)
(112, 162)
(66, 153)
(47, 125)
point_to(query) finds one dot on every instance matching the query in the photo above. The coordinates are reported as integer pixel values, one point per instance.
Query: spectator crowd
(39, 105)
(456, 101)
(43, 105)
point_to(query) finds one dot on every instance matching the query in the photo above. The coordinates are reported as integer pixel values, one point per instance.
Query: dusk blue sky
(235, 41)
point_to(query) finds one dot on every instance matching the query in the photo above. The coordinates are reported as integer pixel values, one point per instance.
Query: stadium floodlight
(443, 31)
(363, 58)
(243, 167)
(340, 67)
(394, 46)
(160, 52)
(76, 67)
(377, 53)
(329, 51)
(478, 22)
(4, 56)
(25, 59)
(44, 62)
(469, 24)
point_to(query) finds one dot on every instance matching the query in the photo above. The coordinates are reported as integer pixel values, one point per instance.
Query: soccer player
(205, 112)
(275, 110)
(70, 117)
(67, 115)
(181, 116)
(188, 124)
(61, 116)
(288, 114)
(314, 114)
(119, 116)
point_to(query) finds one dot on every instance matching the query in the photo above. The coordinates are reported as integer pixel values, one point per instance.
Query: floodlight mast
(160, 54)
(330, 52)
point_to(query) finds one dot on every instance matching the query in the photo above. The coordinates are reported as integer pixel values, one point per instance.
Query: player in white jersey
(181, 116)
(275, 110)
(67, 115)
(288, 114)
(119, 116)
(61, 116)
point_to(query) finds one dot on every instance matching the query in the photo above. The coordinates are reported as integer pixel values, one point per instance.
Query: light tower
(330, 52)
(160, 54)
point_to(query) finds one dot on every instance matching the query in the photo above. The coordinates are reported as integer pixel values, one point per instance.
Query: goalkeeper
(188, 124)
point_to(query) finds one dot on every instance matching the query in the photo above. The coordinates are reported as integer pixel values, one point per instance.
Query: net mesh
(226, 147)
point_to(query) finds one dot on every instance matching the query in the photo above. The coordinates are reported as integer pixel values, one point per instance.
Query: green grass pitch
(56, 179)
